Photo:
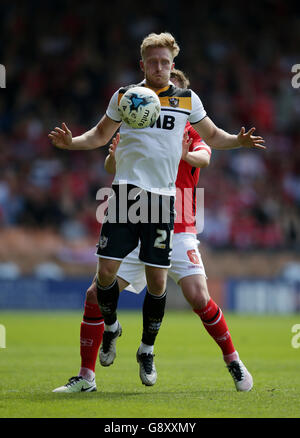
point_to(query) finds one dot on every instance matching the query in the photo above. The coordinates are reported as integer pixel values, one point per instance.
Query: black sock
(108, 301)
(153, 313)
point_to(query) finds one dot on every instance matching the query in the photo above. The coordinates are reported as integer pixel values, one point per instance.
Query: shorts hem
(156, 266)
(108, 257)
(189, 275)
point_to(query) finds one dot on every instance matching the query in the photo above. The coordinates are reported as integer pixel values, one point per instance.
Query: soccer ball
(139, 107)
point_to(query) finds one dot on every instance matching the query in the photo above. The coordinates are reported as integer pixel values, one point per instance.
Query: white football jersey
(148, 158)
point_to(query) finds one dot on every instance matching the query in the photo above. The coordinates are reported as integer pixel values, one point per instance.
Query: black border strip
(176, 111)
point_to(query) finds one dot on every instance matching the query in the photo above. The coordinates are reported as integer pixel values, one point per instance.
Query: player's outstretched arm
(110, 160)
(199, 158)
(216, 138)
(96, 137)
(61, 137)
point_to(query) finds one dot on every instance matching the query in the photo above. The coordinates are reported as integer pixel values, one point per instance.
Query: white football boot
(107, 351)
(77, 384)
(148, 372)
(242, 378)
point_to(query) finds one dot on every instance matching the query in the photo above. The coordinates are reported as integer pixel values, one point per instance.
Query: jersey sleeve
(198, 144)
(202, 146)
(112, 109)
(198, 112)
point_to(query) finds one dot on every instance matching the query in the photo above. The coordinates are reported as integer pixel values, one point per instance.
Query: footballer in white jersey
(148, 159)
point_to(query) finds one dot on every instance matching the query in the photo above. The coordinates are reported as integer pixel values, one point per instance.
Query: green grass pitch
(42, 352)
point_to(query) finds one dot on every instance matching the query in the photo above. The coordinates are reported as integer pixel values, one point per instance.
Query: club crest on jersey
(103, 242)
(174, 102)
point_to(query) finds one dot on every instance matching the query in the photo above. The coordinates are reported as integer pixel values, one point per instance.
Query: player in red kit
(187, 270)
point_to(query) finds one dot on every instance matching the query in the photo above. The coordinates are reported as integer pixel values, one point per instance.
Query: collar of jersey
(161, 90)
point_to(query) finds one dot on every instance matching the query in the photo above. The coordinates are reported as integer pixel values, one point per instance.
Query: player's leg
(91, 334)
(186, 259)
(194, 288)
(153, 306)
(155, 252)
(153, 313)
(117, 239)
(195, 291)
(91, 331)
(188, 271)
(108, 296)
(108, 289)
(131, 272)
(156, 247)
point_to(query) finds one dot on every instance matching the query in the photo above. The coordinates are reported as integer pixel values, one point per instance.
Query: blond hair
(164, 39)
(181, 78)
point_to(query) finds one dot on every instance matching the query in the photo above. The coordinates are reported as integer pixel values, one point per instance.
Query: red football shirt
(187, 178)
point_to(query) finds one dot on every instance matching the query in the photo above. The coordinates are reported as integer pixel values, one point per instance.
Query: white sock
(144, 348)
(111, 328)
(86, 373)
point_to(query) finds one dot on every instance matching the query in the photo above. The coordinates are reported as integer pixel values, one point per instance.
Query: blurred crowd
(64, 59)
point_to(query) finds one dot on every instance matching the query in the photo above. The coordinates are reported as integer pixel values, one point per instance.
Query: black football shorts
(134, 215)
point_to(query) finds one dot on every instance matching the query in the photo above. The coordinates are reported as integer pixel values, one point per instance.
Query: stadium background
(63, 61)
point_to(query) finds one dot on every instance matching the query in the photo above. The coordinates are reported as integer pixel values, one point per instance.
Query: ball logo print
(137, 101)
(2, 76)
(139, 107)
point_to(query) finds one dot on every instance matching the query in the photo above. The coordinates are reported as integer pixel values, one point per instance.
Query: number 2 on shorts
(160, 240)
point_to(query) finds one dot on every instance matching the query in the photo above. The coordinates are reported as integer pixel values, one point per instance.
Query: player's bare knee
(201, 301)
(156, 286)
(156, 289)
(156, 280)
(195, 290)
(107, 272)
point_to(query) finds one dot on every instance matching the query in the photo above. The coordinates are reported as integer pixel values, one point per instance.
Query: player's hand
(61, 138)
(186, 143)
(247, 140)
(113, 145)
